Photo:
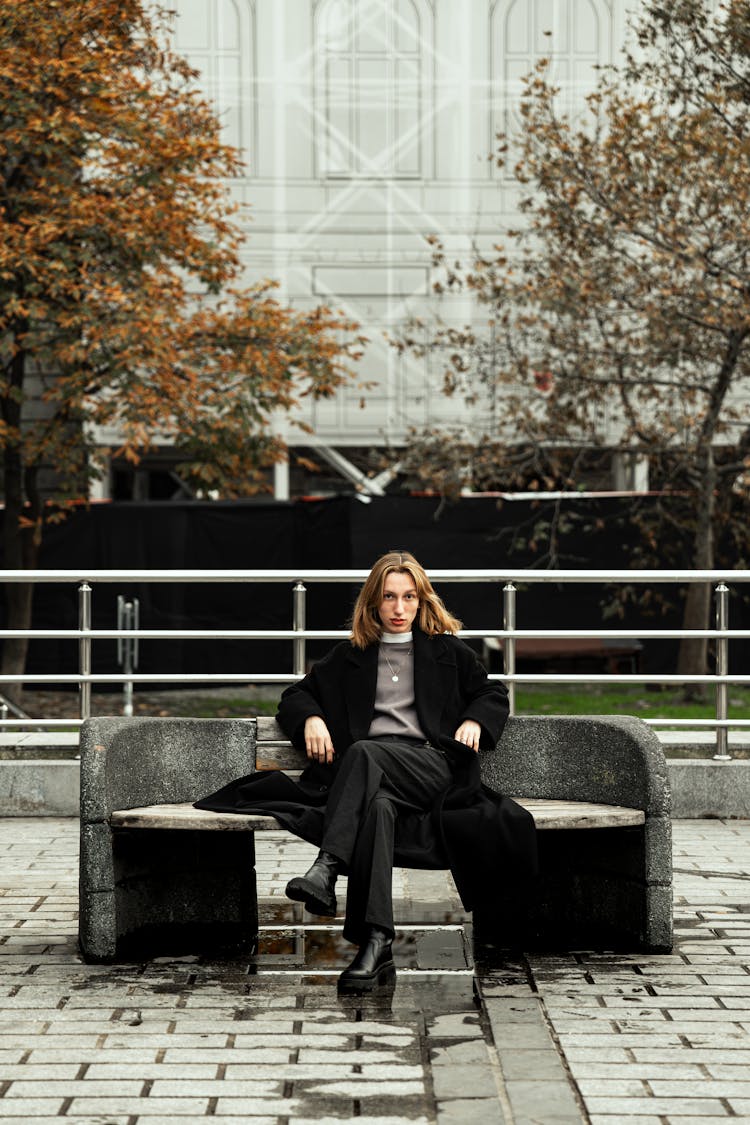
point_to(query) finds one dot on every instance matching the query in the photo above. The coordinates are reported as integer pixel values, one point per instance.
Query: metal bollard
(299, 615)
(509, 643)
(722, 669)
(84, 647)
(128, 617)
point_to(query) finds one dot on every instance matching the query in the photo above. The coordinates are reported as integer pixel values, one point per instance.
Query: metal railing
(507, 582)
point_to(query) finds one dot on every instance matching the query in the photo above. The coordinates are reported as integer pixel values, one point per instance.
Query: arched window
(372, 87)
(576, 35)
(216, 36)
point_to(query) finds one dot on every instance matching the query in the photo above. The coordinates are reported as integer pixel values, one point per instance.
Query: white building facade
(367, 126)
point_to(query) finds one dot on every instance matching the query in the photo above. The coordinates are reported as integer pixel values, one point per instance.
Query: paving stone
(266, 1109)
(459, 1054)
(269, 1085)
(624, 1107)
(160, 1119)
(362, 1120)
(528, 1035)
(572, 1117)
(89, 1053)
(725, 1052)
(464, 1111)
(256, 1056)
(688, 1119)
(532, 1064)
(342, 1068)
(393, 1057)
(470, 1080)
(366, 1119)
(126, 1040)
(367, 1088)
(114, 1071)
(164, 1107)
(70, 1089)
(582, 1056)
(719, 1088)
(629, 1069)
(637, 1119)
(109, 1119)
(33, 1107)
(459, 1026)
(612, 1088)
(541, 1099)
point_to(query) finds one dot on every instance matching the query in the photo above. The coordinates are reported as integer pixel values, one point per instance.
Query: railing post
(509, 643)
(84, 647)
(298, 624)
(128, 618)
(722, 669)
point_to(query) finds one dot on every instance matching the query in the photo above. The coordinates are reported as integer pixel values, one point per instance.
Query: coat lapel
(360, 681)
(434, 672)
(432, 662)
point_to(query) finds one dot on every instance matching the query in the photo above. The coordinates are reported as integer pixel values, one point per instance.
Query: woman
(392, 721)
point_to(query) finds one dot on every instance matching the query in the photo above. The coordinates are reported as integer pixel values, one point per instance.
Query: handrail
(357, 576)
(342, 634)
(509, 635)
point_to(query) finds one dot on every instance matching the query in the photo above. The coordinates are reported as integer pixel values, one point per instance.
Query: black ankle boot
(373, 964)
(316, 887)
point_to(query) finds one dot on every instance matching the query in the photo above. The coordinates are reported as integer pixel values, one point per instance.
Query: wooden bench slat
(279, 758)
(185, 816)
(547, 814)
(579, 814)
(268, 730)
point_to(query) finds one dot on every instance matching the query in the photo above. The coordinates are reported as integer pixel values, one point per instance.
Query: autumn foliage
(122, 301)
(620, 307)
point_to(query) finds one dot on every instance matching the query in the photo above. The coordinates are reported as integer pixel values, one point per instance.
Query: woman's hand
(469, 733)
(318, 740)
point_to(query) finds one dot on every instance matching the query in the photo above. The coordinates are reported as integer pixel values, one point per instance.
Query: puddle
(324, 948)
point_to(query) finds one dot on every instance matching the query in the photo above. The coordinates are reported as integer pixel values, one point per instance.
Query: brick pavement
(521, 1039)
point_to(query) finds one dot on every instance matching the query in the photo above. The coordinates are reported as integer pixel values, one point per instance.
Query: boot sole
(383, 975)
(300, 891)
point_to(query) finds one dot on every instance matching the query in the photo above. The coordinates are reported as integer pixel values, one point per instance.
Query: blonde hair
(432, 616)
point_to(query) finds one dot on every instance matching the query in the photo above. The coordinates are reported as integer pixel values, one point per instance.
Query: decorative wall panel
(576, 36)
(217, 38)
(373, 87)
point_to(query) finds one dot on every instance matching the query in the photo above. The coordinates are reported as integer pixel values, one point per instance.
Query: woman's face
(400, 603)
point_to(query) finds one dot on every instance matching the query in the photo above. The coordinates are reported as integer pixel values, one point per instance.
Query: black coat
(450, 685)
(481, 836)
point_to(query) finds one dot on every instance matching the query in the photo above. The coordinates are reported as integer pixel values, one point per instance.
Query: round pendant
(395, 679)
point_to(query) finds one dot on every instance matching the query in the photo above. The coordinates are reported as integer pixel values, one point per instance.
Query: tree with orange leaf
(121, 295)
(620, 308)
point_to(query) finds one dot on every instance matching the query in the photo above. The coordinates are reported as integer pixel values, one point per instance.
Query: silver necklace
(394, 670)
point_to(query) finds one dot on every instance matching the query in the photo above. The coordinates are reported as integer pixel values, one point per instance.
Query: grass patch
(601, 699)
(242, 708)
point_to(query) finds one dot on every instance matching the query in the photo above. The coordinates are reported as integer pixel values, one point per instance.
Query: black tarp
(341, 532)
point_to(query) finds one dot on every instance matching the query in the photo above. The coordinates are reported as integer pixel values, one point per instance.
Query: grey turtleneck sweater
(395, 711)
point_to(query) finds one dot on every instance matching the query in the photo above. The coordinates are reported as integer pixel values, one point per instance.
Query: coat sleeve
(307, 697)
(484, 700)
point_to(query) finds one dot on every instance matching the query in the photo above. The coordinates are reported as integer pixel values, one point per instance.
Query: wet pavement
(508, 1038)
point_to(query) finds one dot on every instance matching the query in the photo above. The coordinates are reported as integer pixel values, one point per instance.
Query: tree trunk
(21, 540)
(692, 658)
(18, 595)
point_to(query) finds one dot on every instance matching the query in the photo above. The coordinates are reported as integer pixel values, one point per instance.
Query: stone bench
(160, 877)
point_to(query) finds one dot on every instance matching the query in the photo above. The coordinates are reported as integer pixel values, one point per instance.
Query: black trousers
(378, 780)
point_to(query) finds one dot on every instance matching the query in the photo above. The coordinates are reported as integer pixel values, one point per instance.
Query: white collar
(396, 638)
